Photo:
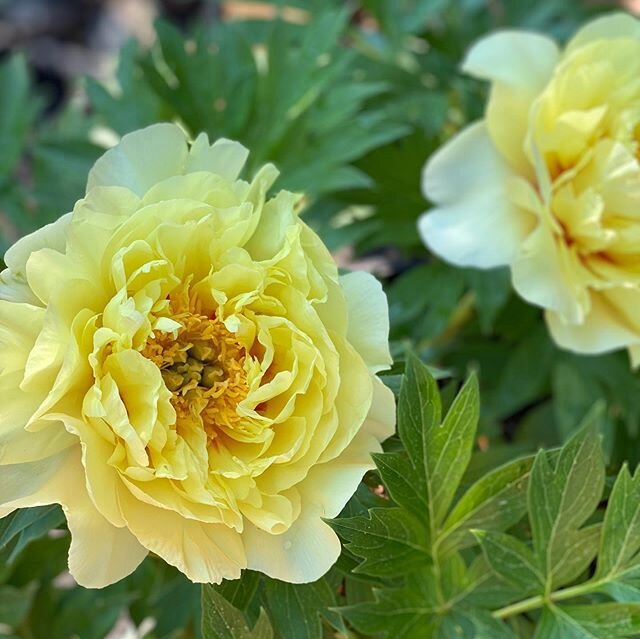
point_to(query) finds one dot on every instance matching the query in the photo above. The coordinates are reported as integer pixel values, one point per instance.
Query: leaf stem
(539, 600)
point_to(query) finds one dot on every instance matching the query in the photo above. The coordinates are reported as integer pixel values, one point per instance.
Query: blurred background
(348, 98)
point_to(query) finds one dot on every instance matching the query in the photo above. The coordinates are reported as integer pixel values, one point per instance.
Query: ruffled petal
(53, 236)
(475, 223)
(368, 330)
(224, 157)
(141, 159)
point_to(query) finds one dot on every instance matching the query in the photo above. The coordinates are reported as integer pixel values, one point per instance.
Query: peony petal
(519, 64)
(141, 159)
(515, 58)
(329, 486)
(368, 312)
(381, 420)
(547, 273)
(607, 327)
(475, 224)
(634, 355)
(616, 25)
(224, 157)
(301, 555)
(23, 480)
(100, 554)
(205, 553)
(53, 236)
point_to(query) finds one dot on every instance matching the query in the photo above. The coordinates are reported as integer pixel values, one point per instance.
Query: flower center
(202, 364)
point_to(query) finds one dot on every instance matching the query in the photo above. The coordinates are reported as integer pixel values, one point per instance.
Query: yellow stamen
(202, 364)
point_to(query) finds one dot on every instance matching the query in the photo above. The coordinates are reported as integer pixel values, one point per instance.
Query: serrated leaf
(561, 497)
(240, 592)
(512, 560)
(390, 540)
(403, 482)
(296, 609)
(440, 452)
(621, 528)
(593, 621)
(473, 624)
(221, 620)
(495, 502)
(402, 613)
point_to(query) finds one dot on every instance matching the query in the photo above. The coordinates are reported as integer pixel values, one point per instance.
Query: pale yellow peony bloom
(549, 182)
(185, 372)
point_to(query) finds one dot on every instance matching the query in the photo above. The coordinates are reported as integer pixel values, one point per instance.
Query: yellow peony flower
(185, 372)
(549, 181)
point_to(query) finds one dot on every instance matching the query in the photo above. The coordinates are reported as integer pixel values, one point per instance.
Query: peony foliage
(506, 503)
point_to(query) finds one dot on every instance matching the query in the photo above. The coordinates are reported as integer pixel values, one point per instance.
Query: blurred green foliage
(348, 105)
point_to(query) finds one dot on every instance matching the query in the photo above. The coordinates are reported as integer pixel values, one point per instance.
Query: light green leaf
(440, 452)
(512, 560)
(621, 528)
(593, 621)
(221, 620)
(561, 496)
(495, 502)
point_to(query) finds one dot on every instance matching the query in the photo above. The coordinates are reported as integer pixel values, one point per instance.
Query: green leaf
(495, 502)
(15, 603)
(439, 452)
(25, 525)
(403, 613)
(296, 609)
(390, 540)
(491, 290)
(222, 620)
(561, 497)
(512, 560)
(18, 109)
(240, 592)
(620, 543)
(595, 621)
(414, 612)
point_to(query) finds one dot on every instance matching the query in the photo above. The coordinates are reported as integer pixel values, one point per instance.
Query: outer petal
(301, 555)
(100, 554)
(141, 159)
(13, 285)
(616, 25)
(475, 223)
(368, 311)
(605, 328)
(224, 157)
(516, 58)
(205, 553)
(381, 420)
(519, 64)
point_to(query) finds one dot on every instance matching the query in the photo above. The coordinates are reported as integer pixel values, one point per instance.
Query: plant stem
(539, 600)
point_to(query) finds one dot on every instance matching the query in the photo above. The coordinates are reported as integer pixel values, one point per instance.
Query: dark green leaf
(390, 540)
